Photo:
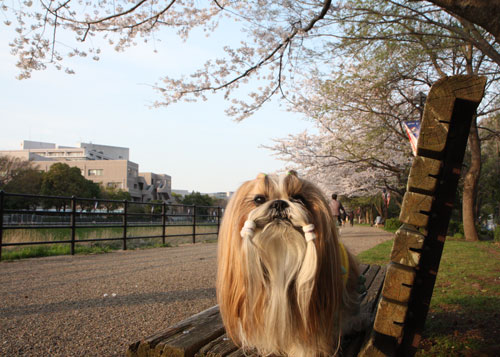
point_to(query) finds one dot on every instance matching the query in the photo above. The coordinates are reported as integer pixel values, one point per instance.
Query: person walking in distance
(351, 218)
(336, 207)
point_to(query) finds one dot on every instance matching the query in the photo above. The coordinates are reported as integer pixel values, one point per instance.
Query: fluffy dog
(285, 285)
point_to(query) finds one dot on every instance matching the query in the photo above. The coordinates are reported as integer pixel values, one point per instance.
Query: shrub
(455, 227)
(392, 224)
(485, 234)
(458, 235)
(497, 234)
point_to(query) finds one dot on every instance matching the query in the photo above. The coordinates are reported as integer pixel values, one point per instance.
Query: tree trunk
(470, 185)
(479, 12)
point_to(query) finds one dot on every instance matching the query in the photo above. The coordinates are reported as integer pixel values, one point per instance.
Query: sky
(108, 102)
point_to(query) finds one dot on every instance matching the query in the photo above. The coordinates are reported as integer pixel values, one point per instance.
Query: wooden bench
(425, 213)
(203, 334)
(398, 295)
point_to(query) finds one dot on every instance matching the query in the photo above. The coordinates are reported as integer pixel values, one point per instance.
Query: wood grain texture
(439, 107)
(423, 174)
(182, 339)
(408, 252)
(398, 283)
(414, 207)
(390, 318)
(407, 245)
(221, 346)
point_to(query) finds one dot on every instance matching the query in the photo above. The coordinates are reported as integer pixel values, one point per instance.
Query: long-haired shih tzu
(285, 285)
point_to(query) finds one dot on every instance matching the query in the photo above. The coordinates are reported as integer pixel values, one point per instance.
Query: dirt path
(96, 305)
(360, 238)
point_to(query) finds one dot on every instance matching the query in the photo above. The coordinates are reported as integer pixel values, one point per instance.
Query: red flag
(412, 130)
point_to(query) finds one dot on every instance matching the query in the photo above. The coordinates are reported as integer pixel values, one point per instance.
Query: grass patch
(51, 250)
(464, 317)
(377, 255)
(83, 234)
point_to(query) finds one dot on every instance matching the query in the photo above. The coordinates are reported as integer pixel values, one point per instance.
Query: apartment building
(107, 165)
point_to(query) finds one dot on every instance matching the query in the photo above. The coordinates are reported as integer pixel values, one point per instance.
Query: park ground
(99, 304)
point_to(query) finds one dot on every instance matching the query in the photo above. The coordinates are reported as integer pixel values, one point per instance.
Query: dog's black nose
(279, 205)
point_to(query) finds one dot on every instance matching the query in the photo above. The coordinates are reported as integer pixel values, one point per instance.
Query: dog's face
(279, 283)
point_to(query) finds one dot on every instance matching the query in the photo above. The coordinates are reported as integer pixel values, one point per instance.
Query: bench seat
(203, 334)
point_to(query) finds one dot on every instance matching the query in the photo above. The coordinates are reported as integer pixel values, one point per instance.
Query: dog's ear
(261, 176)
(293, 173)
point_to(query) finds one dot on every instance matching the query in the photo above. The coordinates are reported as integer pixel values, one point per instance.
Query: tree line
(23, 177)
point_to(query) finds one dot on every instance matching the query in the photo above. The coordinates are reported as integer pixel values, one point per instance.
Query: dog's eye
(298, 199)
(259, 199)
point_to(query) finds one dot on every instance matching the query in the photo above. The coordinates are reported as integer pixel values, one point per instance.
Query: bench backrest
(449, 110)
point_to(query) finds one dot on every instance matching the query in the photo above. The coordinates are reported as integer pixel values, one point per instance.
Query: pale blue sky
(106, 102)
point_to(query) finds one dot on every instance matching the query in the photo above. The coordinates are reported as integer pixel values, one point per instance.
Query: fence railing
(37, 212)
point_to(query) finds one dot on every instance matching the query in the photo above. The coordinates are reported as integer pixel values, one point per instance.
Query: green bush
(455, 227)
(458, 235)
(485, 234)
(392, 224)
(497, 234)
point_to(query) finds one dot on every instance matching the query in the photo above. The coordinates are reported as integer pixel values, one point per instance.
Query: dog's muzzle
(279, 209)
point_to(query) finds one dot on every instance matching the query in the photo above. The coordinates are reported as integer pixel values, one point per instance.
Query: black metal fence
(70, 214)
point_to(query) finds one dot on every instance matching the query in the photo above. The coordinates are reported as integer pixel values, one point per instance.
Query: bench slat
(370, 275)
(221, 346)
(182, 339)
(376, 274)
(369, 303)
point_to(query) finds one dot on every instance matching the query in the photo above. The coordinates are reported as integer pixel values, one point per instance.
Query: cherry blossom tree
(377, 90)
(285, 44)
(360, 146)
(281, 40)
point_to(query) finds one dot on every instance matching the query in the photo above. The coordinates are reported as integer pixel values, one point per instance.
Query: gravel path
(96, 305)
(360, 238)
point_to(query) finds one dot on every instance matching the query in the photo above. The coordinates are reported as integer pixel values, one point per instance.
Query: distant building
(221, 195)
(181, 192)
(216, 195)
(103, 164)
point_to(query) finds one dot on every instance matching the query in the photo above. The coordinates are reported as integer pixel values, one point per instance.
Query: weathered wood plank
(221, 346)
(390, 318)
(398, 282)
(351, 344)
(439, 107)
(182, 339)
(407, 246)
(363, 268)
(465, 93)
(240, 353)
(451, 98)
(423, 174)
(191, 340)
(370, 275)
(415, 209)
(369, 303)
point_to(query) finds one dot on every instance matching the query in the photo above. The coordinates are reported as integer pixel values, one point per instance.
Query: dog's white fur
(280, 286)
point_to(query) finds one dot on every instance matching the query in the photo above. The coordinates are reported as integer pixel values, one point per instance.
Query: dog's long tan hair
(306, 320)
